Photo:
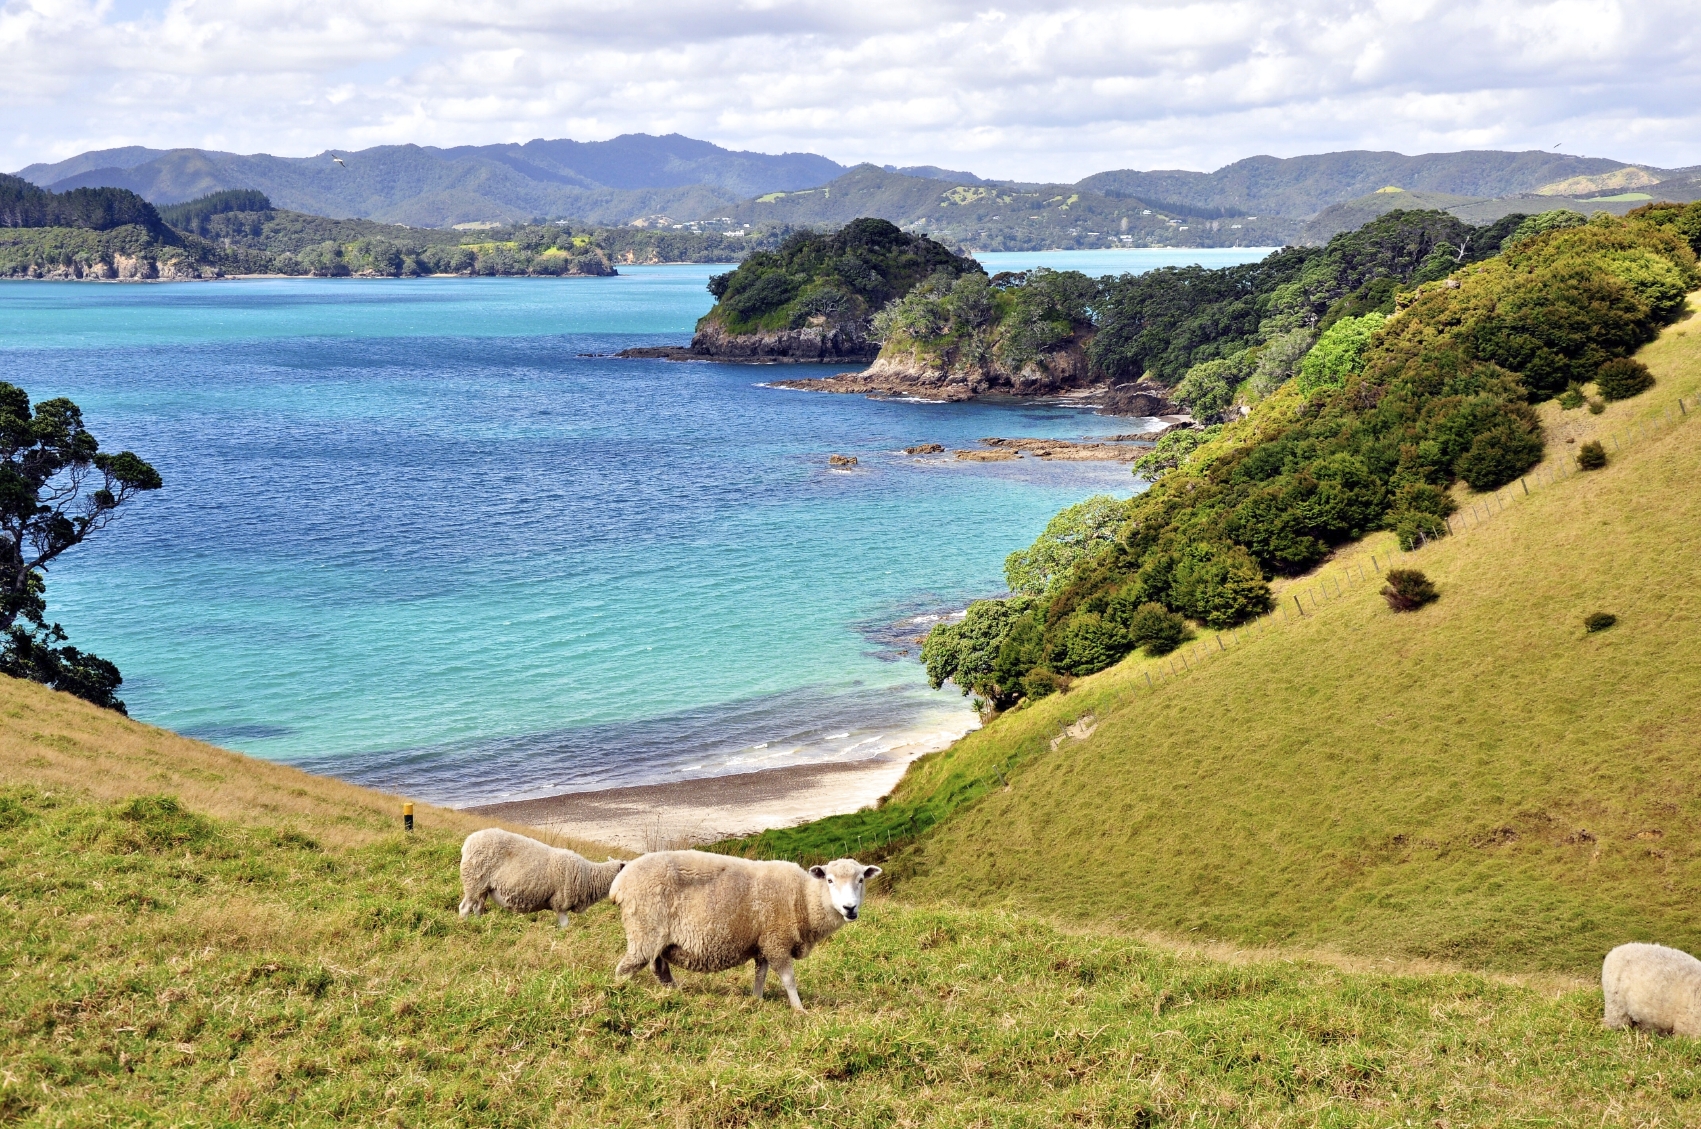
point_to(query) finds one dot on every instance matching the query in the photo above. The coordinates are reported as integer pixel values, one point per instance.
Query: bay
(427, 535)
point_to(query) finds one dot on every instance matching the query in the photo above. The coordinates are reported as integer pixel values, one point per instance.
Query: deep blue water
(413, 535)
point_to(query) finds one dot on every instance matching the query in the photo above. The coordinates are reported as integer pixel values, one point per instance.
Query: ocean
(427, 535)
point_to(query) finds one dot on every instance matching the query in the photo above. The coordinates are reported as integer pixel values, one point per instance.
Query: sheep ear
(870, 872)
(817, 872)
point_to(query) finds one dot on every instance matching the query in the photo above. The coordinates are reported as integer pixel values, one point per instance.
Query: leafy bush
(965, 652)
(1555, 220)
(1572, 397)
(1622, 378)
(1172, 450)
(1208, 388)
(1591, 456)
(1072, 534)
(1598, 621)
(1338, 354)
(1501, 453)
(1157, 629)
(1408, 590)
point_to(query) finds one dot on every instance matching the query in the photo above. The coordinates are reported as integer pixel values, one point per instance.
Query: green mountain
(988, 216)
(607, 182)
(1303, 186)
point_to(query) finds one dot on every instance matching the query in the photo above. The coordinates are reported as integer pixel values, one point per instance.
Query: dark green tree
(57, 489)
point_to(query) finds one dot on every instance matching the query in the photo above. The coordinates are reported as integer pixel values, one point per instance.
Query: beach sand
(685, 813)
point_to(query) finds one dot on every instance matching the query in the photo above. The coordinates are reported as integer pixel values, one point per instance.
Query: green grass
(164, 966)
(1481, 781)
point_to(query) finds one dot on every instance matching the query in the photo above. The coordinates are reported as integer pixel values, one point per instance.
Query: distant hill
(1350, 215)
(1303, 186)
(993, 216)
(605, 182)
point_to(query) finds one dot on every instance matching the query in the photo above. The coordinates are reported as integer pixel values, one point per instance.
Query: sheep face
(845, 879)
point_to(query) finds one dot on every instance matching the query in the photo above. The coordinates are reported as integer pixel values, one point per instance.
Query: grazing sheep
(525, 875)
(708, 913)
(1652, 987)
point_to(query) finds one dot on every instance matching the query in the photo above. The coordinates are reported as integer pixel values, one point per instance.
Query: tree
(57, 489)
(1073, 534)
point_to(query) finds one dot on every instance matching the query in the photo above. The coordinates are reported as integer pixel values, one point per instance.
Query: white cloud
(1017, 89)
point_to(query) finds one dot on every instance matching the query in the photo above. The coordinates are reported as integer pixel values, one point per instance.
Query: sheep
(1654, 987)
(708, 913)
(525, 875)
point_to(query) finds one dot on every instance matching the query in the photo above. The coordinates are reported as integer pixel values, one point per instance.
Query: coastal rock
(925, 449)
(810, 344)
(841, 460)
(1067, 450)
(950, 378)
(1142, 398)
(993, 456)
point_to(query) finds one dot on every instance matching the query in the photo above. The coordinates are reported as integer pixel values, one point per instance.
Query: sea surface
(427, 535)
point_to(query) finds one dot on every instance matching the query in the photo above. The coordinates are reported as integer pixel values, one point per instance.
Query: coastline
(687, 813)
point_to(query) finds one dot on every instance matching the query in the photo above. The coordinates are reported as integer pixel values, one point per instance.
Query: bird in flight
(339, 160)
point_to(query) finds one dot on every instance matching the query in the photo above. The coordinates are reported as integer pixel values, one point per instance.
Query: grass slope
(1479, 781)
(165, 966)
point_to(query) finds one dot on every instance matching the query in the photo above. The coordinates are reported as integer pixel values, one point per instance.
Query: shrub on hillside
(1338, 354)
(1622, 378)
(1572, 397)
(1075, 532)
(1408, 590)
(1591, 456)
(1500, 454)
(1157, 629)
(1598, 621)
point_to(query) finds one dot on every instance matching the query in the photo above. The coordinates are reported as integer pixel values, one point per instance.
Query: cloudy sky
(1013, 89)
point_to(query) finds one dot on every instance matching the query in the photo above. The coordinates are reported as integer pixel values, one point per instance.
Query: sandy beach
(683, 813)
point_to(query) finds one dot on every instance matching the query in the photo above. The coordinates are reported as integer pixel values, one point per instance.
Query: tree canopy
(841, 277)
(57, 489)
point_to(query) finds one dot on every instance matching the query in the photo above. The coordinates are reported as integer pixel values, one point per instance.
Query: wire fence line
(1301, 600)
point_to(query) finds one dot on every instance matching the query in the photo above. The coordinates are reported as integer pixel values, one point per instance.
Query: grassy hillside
(1479, 781)
(267, 947)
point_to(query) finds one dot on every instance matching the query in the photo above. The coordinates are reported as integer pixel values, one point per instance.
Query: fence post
(1680, 406)
(1615, 441)
(1374, 564)
(1448, 522)
(1525, 485)
(1148, 675)
(1297, 604)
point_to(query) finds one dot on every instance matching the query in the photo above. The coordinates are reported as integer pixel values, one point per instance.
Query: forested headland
(1347, 389)
(112, 233)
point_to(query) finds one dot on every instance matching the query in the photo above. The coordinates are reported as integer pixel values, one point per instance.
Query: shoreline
(677, 814)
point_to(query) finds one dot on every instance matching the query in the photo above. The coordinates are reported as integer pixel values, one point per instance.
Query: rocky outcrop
(1142, 398)
(812, 344)
(119, 268)
(946, 376)
(844, 343)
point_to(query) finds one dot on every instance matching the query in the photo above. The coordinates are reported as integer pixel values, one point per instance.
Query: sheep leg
(761, 977)
(789, 978)
(630, 963)
(563, 919)
(663, 973)
(473, 904)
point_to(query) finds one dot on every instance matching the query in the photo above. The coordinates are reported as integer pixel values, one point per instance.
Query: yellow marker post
(407, 817)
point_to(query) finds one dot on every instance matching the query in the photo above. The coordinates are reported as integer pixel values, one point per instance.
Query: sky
(1025, 90)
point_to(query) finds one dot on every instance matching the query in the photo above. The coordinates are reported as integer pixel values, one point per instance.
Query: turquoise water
(420, 534)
